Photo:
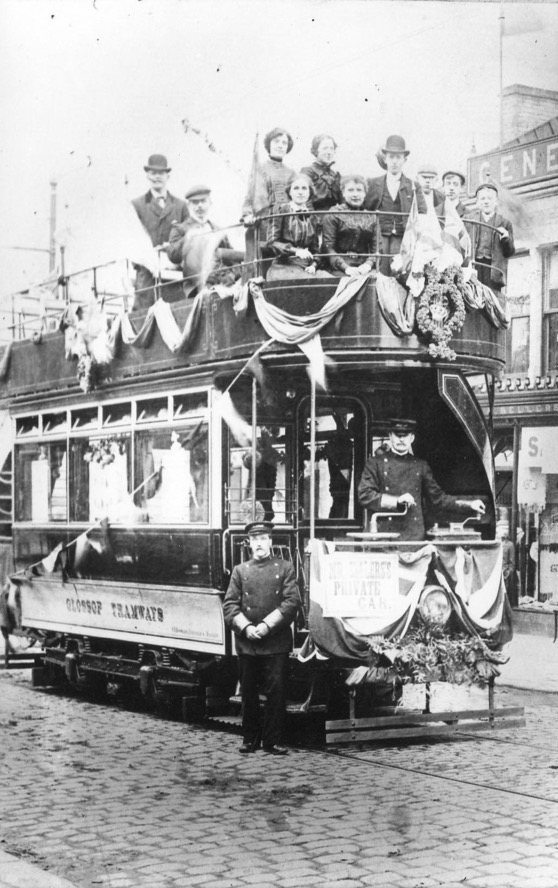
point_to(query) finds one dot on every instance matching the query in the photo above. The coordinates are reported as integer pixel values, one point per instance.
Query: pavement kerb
(16, 873)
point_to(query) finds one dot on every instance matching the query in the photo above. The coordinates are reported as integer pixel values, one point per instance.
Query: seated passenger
(325, 180)
(205, 257)
(292, 235)
(350, 232)
(273, 177)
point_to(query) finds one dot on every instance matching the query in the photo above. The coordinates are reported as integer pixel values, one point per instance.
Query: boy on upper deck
(492, 240)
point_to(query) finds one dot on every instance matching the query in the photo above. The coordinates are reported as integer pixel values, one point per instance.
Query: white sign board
(359, 584)
(539, 449)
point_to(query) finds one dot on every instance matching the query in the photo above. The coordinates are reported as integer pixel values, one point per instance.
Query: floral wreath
(442, 296)
(104, 450)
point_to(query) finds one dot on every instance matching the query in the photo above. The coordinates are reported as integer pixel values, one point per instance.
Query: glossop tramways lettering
(322, 383)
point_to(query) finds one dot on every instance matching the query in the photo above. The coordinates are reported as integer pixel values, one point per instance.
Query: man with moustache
(157, 210)
(392, 195)
(395, 478)
(260, 605)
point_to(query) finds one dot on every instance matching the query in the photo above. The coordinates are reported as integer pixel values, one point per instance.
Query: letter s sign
(533, 446)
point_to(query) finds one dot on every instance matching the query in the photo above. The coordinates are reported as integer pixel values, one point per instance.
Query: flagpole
(312, 456)
(254, 442)
(240, 372)
(502, 20)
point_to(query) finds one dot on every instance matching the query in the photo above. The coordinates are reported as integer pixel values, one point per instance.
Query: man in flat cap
(391, 193)
(491, 238)
(395, 478)
(453, 183)
(206, 256)
(260, 605)
(427, 178)
(157, 210)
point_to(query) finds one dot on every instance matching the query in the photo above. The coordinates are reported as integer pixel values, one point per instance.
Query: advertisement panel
(360, 584)
(190, 620)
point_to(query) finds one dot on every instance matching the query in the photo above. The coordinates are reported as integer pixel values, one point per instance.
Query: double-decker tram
(131, 498)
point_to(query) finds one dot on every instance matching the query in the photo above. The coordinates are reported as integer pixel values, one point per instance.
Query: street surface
(101, 796)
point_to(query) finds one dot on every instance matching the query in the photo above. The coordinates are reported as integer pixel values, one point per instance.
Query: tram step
(22, 659)
(294, 707)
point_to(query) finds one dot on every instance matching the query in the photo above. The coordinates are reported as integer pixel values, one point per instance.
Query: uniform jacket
(501, 249)
(157, 220)
(388, 475)
(262, 591)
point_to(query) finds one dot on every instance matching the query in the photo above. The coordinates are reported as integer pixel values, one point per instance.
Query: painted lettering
(84, 606)
(551, 157)
(506, 175)
(530, 163)
(533, 446)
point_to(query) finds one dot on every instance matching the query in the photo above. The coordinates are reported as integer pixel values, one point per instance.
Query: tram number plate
(360, 584)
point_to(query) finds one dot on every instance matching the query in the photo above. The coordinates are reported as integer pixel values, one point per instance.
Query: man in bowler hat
(260, 605)
(395, 478)
(157, 210)
(391, 194)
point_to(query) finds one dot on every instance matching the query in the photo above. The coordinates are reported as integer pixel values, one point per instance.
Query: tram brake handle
(376, 515)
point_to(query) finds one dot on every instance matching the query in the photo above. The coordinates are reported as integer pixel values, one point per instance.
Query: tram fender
(71, 666)
(146, 674)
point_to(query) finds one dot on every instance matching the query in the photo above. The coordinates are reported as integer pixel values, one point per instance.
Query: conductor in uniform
(260, 605)
(395, 478)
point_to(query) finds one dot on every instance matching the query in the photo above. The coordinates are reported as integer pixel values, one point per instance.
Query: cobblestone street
(100, 796)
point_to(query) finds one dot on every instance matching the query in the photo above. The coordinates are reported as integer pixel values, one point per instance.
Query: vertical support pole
(502, 20)
(312, 457)
(514, 524)
(52, 226)
(65, 289)
(254, 443)
(491, 702)
(427, 697)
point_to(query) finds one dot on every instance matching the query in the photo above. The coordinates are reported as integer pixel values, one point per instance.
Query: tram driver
(260, 605)
(395, 478)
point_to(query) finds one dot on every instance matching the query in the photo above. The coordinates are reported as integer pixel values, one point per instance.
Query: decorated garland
(441, 311)
(430, 654)
(105, 450)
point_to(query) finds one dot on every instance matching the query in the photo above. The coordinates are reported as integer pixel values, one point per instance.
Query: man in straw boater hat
(260, 605)
(157, 210)
(395, 478)
(391, 193)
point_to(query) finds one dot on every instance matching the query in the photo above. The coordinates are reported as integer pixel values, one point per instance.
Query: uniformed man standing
(396, 478)
(260, 605)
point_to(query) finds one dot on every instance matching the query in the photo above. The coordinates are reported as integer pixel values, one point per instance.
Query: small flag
(257, 198)
(240, 429)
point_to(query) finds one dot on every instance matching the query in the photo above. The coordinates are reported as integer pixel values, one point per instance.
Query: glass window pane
(40, 483)
(517, 346)
(152, 409)
(335, 463)
(273, 484)
(521, 284)
(85, 419)
(551, 322)
(27, 425)
(172, 467)
(55, 422)
(100, 479)
(552, 280)
(189, 404)
(117, 414)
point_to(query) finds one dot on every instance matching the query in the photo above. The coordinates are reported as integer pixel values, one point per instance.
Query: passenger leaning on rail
(491, 238)
(157, 210)
(206, 256)
(292, 235)
(349, 232)
(396, 478)
(326, 181)
(391, 194)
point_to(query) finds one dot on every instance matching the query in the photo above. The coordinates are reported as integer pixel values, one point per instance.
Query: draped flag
(257, 198)
(421, 244)
(240, 429)
(456, 243)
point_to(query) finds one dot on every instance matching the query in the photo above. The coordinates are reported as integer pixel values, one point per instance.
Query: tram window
(273, 482)
(153, 409)
(117, 414)
(85, 419)
(336, 439)
(55, 422)
(40, 482)
(27, 425)
(100, 479)
(189, 404)
(172, 467)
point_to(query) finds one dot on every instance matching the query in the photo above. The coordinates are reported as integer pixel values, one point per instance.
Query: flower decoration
(431, 654)
(441, 311)
(104, 450)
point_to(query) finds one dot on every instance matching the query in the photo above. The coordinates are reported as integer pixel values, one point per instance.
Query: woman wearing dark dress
(274, 177)
(325, 180)
(292, 235)
(350, 234)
